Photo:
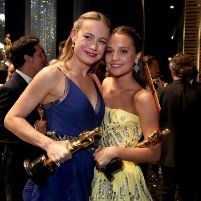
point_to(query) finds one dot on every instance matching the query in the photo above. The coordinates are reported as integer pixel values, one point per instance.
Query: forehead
(95, 27)
(120, 40)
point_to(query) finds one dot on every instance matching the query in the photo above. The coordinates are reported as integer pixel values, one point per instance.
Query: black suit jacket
(17, 149)
(180, 111)
(9, 93)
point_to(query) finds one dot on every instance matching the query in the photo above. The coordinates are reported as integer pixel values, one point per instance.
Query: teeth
(115, 65)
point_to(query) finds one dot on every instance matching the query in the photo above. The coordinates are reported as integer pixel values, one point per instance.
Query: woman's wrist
(116, 152)
(46, 143)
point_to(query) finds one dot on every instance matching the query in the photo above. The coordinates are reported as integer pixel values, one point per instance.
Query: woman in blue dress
(73, 104)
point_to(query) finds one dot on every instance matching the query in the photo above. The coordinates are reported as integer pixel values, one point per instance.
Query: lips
(90, 54)
(115, 65)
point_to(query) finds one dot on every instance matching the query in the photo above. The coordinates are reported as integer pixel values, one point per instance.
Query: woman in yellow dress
(130, 113)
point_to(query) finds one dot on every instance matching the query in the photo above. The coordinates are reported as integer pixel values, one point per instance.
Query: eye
(108, 51)
(89, 38)
(103, 42)
(124, 51)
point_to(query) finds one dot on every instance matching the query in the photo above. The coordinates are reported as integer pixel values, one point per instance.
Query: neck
(175, 77)
(78, 69)
(124, 80)
(27, 71)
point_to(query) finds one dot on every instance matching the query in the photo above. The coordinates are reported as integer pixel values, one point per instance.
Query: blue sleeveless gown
(72, 180)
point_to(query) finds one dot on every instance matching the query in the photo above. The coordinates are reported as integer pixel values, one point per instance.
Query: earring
(73, 45)
(136, 67)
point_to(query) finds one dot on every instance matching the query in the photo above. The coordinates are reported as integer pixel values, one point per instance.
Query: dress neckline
(122, 111)
(97, 106)
(97, 91)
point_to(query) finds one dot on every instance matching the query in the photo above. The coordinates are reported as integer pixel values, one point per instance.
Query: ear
(138, 55)
(27, 58)
(72, 35)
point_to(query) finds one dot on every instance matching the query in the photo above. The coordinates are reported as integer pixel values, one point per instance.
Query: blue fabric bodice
(74, 113)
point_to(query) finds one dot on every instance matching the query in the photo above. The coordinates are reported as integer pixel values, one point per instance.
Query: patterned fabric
(120, 128)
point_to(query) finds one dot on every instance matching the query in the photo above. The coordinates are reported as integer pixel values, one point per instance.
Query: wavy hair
(182, 66)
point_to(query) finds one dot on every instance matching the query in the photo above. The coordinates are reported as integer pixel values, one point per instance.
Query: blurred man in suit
(27, 56)
(180, 110)
(155, 72)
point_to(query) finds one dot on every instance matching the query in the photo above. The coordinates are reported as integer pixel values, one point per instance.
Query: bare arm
(149, 120)
(41, 86)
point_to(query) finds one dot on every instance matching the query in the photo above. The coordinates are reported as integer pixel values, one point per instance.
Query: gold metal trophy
(116, 164)
(42, 167)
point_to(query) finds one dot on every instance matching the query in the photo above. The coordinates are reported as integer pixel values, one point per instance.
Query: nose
(93, 45)
(115, 56)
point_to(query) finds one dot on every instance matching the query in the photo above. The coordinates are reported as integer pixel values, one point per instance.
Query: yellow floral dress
(120, 128)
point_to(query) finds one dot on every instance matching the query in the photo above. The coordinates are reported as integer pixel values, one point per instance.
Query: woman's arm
(43, 86)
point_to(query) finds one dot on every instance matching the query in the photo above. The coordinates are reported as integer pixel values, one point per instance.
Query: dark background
(155, 22)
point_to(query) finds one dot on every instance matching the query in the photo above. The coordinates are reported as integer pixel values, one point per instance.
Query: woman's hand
(58, 151)
(104, 155)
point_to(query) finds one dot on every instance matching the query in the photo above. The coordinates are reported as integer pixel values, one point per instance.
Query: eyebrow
(120, 47)
(94, 35)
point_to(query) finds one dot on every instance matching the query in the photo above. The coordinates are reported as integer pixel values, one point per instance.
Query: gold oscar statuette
(39, 169)
(116, 164)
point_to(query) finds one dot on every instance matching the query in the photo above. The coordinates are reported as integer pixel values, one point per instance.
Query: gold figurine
(153, 138)
(7, 40)
(6, 47)
(116, 164)
(84, 140)
(42, 167)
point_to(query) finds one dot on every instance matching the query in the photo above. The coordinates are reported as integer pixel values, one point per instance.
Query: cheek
(107, 59)
(39, 60)
(80, 43)
(131, 60)
(100, 54)
(102, 49)
(79, 47)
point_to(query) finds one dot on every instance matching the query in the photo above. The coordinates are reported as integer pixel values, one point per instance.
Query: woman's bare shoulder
(52, 72)
(143, 96)
(106, 81)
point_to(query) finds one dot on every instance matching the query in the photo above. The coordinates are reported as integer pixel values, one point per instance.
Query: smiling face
(90, 41)
(120, 55)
